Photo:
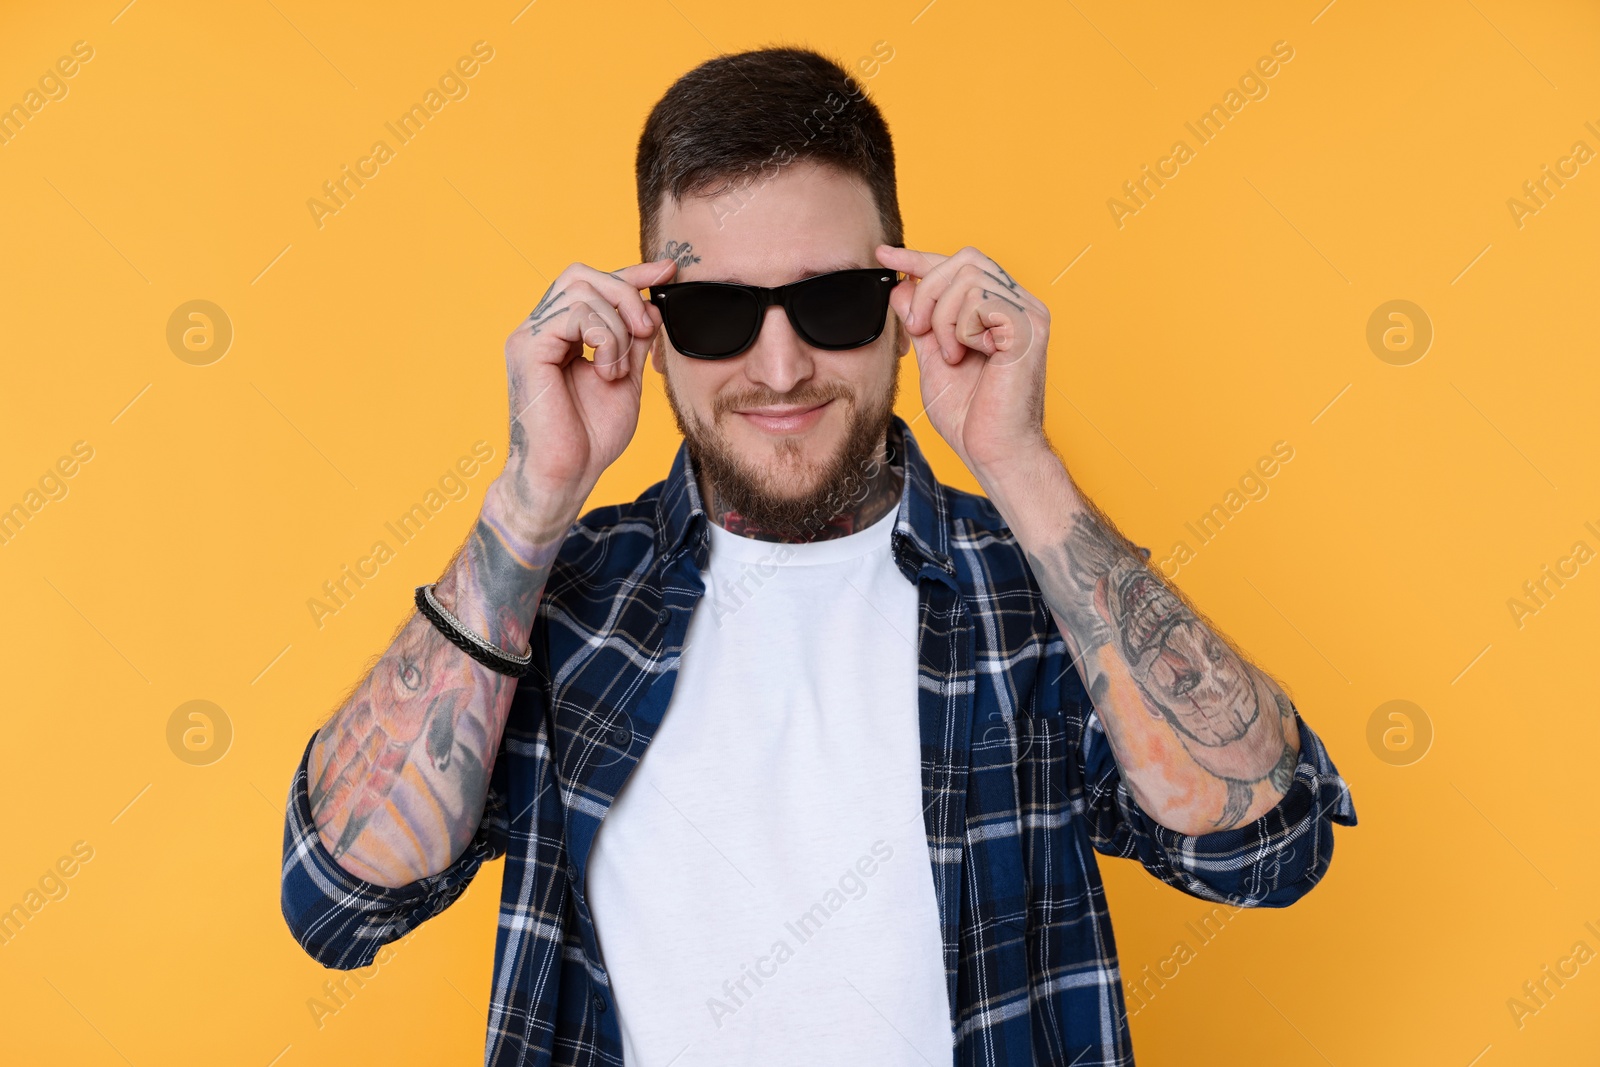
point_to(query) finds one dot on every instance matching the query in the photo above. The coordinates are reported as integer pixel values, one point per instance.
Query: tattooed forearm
(399, 775)
(517, 449)
(1232, 719)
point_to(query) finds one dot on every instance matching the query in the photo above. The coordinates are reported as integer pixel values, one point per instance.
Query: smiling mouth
(781, 420)
(777, 412)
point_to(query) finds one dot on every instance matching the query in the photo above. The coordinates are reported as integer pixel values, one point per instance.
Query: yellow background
(1228, 314)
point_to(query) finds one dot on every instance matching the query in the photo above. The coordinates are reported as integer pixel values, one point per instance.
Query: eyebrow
(804, 273)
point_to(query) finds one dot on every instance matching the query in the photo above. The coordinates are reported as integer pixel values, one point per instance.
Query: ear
(902, 338)
(657, 359)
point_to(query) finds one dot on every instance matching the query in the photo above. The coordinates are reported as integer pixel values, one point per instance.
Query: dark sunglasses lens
(709, 321)
(843, 310)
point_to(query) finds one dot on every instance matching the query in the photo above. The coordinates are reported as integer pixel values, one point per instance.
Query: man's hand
(980, 340)
(428, 706)
(1205, 740)
(571, 417)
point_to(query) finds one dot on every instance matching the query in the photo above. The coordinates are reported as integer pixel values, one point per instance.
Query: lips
(785, 419)
(780, 412)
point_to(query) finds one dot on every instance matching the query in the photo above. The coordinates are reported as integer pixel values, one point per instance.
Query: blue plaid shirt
(1020, 785)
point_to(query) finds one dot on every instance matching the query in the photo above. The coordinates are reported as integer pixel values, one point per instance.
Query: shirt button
(599, 1002)
(572, 874)
(663, 615)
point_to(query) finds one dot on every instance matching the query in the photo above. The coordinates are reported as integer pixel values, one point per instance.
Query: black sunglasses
(719, 320)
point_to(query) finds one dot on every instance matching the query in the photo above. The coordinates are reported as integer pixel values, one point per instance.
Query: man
(813, 754)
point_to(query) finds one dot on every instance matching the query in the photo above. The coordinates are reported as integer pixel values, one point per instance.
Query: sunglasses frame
(782, 296)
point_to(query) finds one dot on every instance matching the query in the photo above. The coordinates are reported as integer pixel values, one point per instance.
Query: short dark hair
(743, 115)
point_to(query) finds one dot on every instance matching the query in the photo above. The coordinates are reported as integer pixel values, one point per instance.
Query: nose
(778, 360)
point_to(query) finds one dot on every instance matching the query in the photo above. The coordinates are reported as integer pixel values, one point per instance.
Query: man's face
(806, 220)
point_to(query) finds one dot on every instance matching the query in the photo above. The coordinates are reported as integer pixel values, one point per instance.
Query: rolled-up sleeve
(341, 920)
(1268, 863)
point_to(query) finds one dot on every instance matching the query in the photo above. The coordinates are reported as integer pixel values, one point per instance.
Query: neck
(864, 503)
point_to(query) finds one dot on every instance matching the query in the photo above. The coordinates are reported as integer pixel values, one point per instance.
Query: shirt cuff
(1273, 860)
(342, 920)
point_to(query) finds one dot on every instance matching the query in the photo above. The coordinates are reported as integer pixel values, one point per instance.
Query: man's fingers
(981, 325)
(931, 291)
(942, 320)
(910, 261)
(621, 288)
(932, 276)
(599, 327)
(900, 299)
(637, 357)
(589, 308)
(588, 320)
(655, 272)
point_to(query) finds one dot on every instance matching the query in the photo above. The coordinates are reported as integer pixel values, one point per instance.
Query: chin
(786, 469)
(787, 474)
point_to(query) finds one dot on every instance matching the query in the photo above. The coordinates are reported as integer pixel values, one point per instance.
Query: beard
(837, 483)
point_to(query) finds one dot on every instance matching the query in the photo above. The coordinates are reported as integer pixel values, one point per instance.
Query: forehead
(774, 226)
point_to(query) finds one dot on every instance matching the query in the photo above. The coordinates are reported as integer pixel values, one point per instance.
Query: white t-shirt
(761, 887)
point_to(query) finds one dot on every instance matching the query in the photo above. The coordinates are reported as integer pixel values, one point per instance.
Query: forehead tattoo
(682, 252)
